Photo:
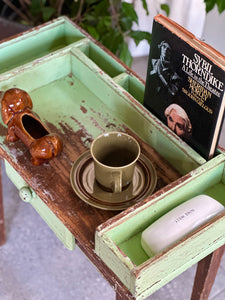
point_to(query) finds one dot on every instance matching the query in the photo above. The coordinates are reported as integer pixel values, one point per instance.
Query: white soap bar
(178, 222)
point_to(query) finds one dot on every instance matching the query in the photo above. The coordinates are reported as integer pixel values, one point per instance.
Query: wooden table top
(85, 219)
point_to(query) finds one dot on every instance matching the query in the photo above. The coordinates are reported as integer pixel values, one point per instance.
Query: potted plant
(108, 21)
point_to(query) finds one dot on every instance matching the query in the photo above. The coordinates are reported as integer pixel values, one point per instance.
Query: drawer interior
(132, 85)
(81, 91)
(114, 69)
(118, 241)
(100, 57)
(126, 235)
(37, 43)
(131, 245)
(93, 98)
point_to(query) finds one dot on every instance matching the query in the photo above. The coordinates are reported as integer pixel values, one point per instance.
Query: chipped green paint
(42, 209)
(26, 47)
(81, 90)
(70, 82)
(119, 246)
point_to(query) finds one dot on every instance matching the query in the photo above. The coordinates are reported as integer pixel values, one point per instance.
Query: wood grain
(206, 273)
(51, 182)
(2, 221)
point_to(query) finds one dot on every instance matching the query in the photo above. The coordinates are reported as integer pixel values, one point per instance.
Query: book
(185, 85)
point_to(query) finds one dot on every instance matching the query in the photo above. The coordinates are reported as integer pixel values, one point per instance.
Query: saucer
(83, 182)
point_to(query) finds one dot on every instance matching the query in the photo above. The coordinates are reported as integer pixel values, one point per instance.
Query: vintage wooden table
(80, 90)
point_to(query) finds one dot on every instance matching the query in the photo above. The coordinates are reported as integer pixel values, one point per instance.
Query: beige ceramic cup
(114, 155)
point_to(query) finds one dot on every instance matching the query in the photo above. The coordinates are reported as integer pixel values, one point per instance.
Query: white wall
(188, 13)
(214, 30)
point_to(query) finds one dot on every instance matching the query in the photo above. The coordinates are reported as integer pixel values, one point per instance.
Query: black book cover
(185, 89)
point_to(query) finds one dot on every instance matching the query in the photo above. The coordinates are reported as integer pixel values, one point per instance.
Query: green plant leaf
(209, 5)
(47, 13)
(145, 6)
(124, 54)
(107, 21)
(89, 18)
(90, 1)
(139, 36)
(93, 32)
(112, 39)
(129, 11)
(166, 8)
(101, 8)
(126, 23)
(110, 22)
(35, 7)
(220, 5)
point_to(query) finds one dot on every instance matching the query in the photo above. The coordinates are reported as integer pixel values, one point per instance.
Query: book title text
(201, 71)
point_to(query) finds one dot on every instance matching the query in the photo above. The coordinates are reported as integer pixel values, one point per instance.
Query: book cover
(185, 85)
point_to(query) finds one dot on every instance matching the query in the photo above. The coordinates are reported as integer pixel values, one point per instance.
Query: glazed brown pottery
(24, 124)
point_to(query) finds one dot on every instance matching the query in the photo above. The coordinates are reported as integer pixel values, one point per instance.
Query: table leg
(2, 223)
(121, 297)
(123, 294)
(206, 274)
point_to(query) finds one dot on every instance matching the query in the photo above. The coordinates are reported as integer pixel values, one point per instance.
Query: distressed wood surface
(123, 297)
(2, 222)
(52, 184)
(206, 273)
(120, 247)
(80, 218)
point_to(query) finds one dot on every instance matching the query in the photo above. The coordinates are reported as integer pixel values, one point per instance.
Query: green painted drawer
(92, 94)
(79, 90)
(118, 241)
(28, 195)
(38, 42)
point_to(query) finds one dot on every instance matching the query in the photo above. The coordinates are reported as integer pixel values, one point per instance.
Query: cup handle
(117, 181)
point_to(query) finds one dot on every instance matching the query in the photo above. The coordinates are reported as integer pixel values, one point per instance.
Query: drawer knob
(25, 194)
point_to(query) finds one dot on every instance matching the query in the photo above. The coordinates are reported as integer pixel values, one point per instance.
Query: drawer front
(28, 195)
(118, 241)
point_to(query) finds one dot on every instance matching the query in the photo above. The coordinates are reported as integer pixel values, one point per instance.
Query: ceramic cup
(114, 155)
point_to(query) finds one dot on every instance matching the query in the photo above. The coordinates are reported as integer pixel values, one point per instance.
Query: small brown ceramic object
(24, 124)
